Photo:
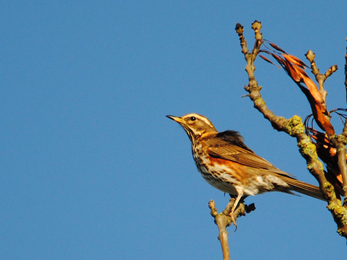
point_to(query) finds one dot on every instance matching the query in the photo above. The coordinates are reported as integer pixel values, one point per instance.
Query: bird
(226, 163)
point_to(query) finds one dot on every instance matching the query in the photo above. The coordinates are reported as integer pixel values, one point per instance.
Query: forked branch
(223, 220)
(294, 126)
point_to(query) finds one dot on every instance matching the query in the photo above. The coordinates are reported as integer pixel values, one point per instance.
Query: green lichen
(307, 148)
(341, 138)
(295, 126)
(259, 101)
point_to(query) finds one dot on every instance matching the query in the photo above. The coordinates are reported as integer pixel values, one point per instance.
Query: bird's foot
(233, 220)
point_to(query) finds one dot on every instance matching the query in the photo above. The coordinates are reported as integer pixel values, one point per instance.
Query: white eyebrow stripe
(208, 122)
(202, 118)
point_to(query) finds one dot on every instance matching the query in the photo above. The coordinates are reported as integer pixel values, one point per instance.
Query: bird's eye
(193, 118)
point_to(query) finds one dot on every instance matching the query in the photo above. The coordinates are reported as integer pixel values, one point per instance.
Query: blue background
(90, 166)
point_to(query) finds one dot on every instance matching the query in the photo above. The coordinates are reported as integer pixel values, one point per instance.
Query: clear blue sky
(90, 166)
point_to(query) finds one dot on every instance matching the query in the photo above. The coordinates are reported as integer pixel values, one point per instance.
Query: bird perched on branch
(226, 163)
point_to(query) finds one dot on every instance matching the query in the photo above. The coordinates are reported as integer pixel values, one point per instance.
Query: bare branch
(346, 72)
(223, 220)
(341, 156)
(321, 78)
(294, 126)
(330, 71)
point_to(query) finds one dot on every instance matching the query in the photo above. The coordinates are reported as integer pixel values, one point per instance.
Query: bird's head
(195, 125)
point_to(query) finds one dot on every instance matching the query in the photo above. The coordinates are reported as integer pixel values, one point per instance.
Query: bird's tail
(304, 188)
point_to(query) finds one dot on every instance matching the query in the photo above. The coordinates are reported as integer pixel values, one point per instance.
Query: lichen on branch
(294, 126)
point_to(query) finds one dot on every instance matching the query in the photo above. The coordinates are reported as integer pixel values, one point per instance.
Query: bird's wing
(229, 145)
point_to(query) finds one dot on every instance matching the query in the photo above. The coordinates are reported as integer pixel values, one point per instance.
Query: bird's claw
(233, 220)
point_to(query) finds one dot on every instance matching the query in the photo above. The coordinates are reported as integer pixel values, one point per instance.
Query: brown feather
(233, 149)
(304, 188)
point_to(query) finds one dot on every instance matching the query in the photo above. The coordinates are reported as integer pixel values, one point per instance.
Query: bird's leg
(237, 200)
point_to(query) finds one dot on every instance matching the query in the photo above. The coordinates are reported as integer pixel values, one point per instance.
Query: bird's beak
(176, 119)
